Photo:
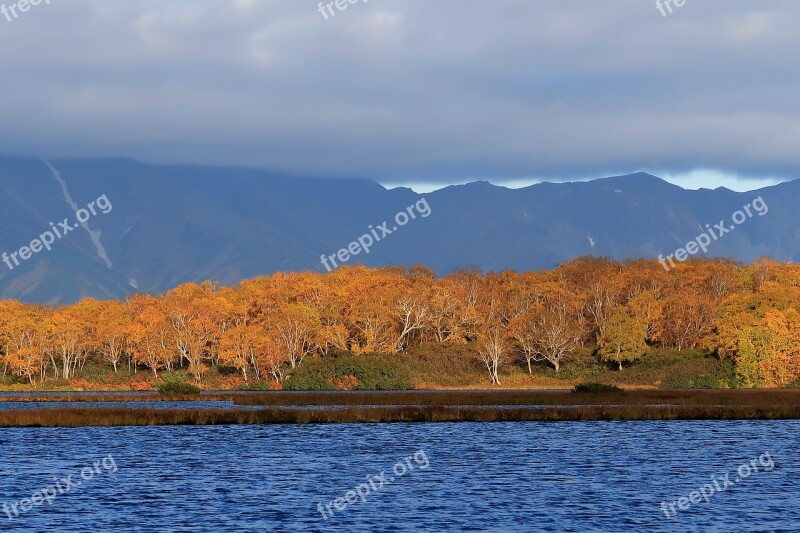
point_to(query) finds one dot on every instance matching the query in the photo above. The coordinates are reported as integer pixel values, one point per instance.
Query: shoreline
(404, 407)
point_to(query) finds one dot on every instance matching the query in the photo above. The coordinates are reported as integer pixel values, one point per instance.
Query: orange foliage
(266, 326)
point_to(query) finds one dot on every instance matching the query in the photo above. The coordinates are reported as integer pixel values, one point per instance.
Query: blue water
(589, 476)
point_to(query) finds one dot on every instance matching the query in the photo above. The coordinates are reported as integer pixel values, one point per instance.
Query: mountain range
(166, 225)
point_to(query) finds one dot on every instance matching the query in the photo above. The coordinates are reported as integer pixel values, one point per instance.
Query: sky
(419, 93)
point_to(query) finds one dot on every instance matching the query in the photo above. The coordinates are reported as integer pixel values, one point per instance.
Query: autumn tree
(112, 332)
(22, 330)
(69, 331)
(411, 305)
(550, 332)
(493, 344)
(492, 349)
(780, 362)
(753, 349)
(450, 318)
(295, 328)
(150, 334)
(623, 339)
(266, 327)
(239, 347)
(192, 311)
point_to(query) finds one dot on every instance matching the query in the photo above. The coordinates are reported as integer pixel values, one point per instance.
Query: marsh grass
(429, 406)
(386, 414)
(120, 397)
(725, 397)
(596, 388)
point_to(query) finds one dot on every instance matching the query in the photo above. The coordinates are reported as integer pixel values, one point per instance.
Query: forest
(265, 329)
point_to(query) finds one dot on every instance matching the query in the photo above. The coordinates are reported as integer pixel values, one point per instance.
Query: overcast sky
(413, 91)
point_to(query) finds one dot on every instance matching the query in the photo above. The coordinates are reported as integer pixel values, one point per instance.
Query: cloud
(409, 91)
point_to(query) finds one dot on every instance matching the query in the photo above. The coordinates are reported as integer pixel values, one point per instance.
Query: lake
(524, 476)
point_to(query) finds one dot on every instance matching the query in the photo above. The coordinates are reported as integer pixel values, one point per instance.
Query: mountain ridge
(172, 224)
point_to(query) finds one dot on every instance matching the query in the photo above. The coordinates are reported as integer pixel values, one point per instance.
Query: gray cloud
(409, 90)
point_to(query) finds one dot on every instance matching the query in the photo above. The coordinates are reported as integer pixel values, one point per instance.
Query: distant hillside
(169, 225)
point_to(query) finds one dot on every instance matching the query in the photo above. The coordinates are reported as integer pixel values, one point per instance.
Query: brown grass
(428, 406)
(121, 397)
(726, 397)
(156, 417)
(641, 397)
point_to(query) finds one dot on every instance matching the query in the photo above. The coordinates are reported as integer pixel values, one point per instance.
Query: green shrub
(255, 386)
(300, 380)
(667, 368)
(224, 370)
(582, 364)
(596, 388)
(698, 383)
(10, 380)
(312, 374)
(372, 371)
(96, 371)
(176, 387)
(451, 365)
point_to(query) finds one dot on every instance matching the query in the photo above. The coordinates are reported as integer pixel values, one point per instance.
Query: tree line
(267, 326)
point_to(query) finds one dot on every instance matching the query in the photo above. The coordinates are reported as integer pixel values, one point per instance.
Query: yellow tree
(245, 347)
(296, 327)
(21, 336)
(237, 349)
(551, 328)
(113, 327)
(271, 356)
(648, 310)
(150, 334)
(69, 334)
(369, 312)
(753, 347)
(492, 349)
(194, 316)
(781, 365)
(623, 340)
(450, 319)
(412, 313)
(493, 342)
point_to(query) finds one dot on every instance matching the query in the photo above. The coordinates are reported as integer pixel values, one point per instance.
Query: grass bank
(431, 406)
(683, 397)
(441, 367)
(387, 414)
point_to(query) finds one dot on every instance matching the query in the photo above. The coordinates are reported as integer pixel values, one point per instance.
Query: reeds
(706, 397)
(121, 397)
(448, 406)
(158, 417)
